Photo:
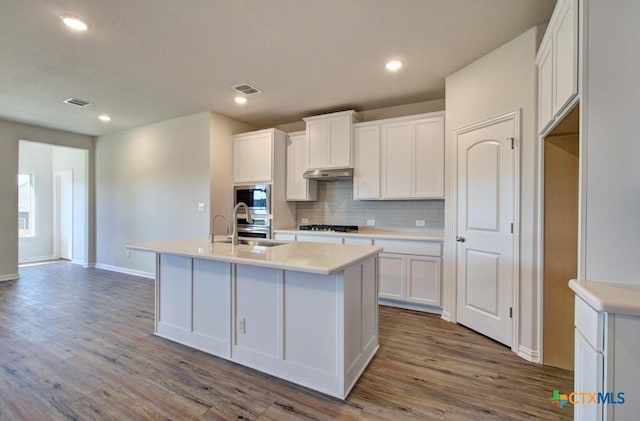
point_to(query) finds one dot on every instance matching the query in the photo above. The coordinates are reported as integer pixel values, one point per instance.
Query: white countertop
(370, 232)
(299, 256)
(609, 297)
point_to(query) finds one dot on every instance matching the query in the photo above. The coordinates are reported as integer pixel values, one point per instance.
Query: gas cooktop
(335, 228)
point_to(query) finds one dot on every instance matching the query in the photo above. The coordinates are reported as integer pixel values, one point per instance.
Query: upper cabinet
(400, 158)
(254, 155)
(299, 188)
(330, 140)
(557, 62)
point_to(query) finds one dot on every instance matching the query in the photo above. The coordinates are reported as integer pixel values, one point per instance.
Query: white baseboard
(126, 271)
(35, 259)
(528, 354)
(9, 277)
(409, 306)
(446, 316)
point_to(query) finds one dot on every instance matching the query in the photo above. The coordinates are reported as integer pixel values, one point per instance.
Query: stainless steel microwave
(256, 196)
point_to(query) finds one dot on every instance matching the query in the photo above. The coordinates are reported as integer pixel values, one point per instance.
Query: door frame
(57, 200)
(514, 115)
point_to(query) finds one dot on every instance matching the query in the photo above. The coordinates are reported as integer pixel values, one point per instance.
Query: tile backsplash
(335, 205)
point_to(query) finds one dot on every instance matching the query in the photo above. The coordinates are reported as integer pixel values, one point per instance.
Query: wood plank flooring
(77, 344)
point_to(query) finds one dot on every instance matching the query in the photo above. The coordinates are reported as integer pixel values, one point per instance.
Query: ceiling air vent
(246, 89)
(77, 102)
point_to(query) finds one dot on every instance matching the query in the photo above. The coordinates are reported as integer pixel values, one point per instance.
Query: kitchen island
(303, 312)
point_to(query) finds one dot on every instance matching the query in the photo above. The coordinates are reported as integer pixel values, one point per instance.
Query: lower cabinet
(410, 278)
(409, 270)
(607, 365)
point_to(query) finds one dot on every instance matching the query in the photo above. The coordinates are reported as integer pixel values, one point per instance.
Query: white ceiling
(144, 61)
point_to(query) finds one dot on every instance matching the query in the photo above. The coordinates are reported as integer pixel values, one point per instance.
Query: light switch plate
(200, 207)
(371, 222)
(420, 223)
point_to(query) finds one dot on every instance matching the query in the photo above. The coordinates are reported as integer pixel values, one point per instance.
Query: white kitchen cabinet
(366, 173)
(299, 188)
(391, 280)
(283, 236)
(557, 62)
(409, 278)
(413, 158)
(254, 156)
(330, 139)
(310, 238)
(607, 350)
(400, 158)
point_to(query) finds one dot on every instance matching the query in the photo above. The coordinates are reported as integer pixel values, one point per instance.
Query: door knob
(460, 239)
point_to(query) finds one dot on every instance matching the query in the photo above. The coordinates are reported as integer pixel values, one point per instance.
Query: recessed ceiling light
(240, 100)
(104, 118)
(74, 23)
(393, 65)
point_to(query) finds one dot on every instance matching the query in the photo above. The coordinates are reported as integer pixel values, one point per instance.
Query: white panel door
(485, 253)
(545, 87)
(565, 55)
(587, 377)
(297, 158)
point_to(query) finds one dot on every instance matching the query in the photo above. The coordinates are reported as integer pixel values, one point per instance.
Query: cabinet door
(588, 377)
(261, 153)
(284, 236)
(340, 147)
(565, 54)
(428, 159)
(397, 160)
(318, 139)
(545, 87)
(366, 177)
(391, 275)
(242, 160)
(423, 280)
(298, 188)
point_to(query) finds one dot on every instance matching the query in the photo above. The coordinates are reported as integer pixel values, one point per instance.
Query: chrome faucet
(234, 216)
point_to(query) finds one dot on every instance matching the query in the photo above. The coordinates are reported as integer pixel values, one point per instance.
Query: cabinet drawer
(589, 323)
(319, 238)
(422, 248)
(284, 236)
(358, 241)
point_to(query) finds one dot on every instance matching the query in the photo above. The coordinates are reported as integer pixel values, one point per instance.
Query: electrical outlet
(305, 220)
(371, 222)
(241, 325)
(420, 223)
(200, 207)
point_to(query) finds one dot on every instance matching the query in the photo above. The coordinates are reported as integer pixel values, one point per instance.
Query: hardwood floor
(77, 344)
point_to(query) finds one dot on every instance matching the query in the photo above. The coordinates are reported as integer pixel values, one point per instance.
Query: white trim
(516, 116)
(126, 271)
(529, 354)
(409, 306)
(36, 259)
(9, 277)
(79, 262)
(446, 316)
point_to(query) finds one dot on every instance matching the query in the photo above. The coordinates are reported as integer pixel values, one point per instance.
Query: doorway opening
(560, 239)
(53, 203)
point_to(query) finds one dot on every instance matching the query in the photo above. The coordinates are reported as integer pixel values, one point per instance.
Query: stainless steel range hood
(329, 174)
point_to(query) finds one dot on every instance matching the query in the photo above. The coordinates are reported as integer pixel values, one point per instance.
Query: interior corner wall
(149, 182)
(502, 81)
(609, 133)
(10, 135)
(37, 159)
(220, 161)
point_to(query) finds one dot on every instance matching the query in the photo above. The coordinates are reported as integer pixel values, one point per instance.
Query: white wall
(10, 134)
(220, 161)
(611, 143)
(502, 81)
(149, 181)
(36, 158)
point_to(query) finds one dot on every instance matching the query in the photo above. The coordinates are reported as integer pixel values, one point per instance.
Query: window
(25, 205)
